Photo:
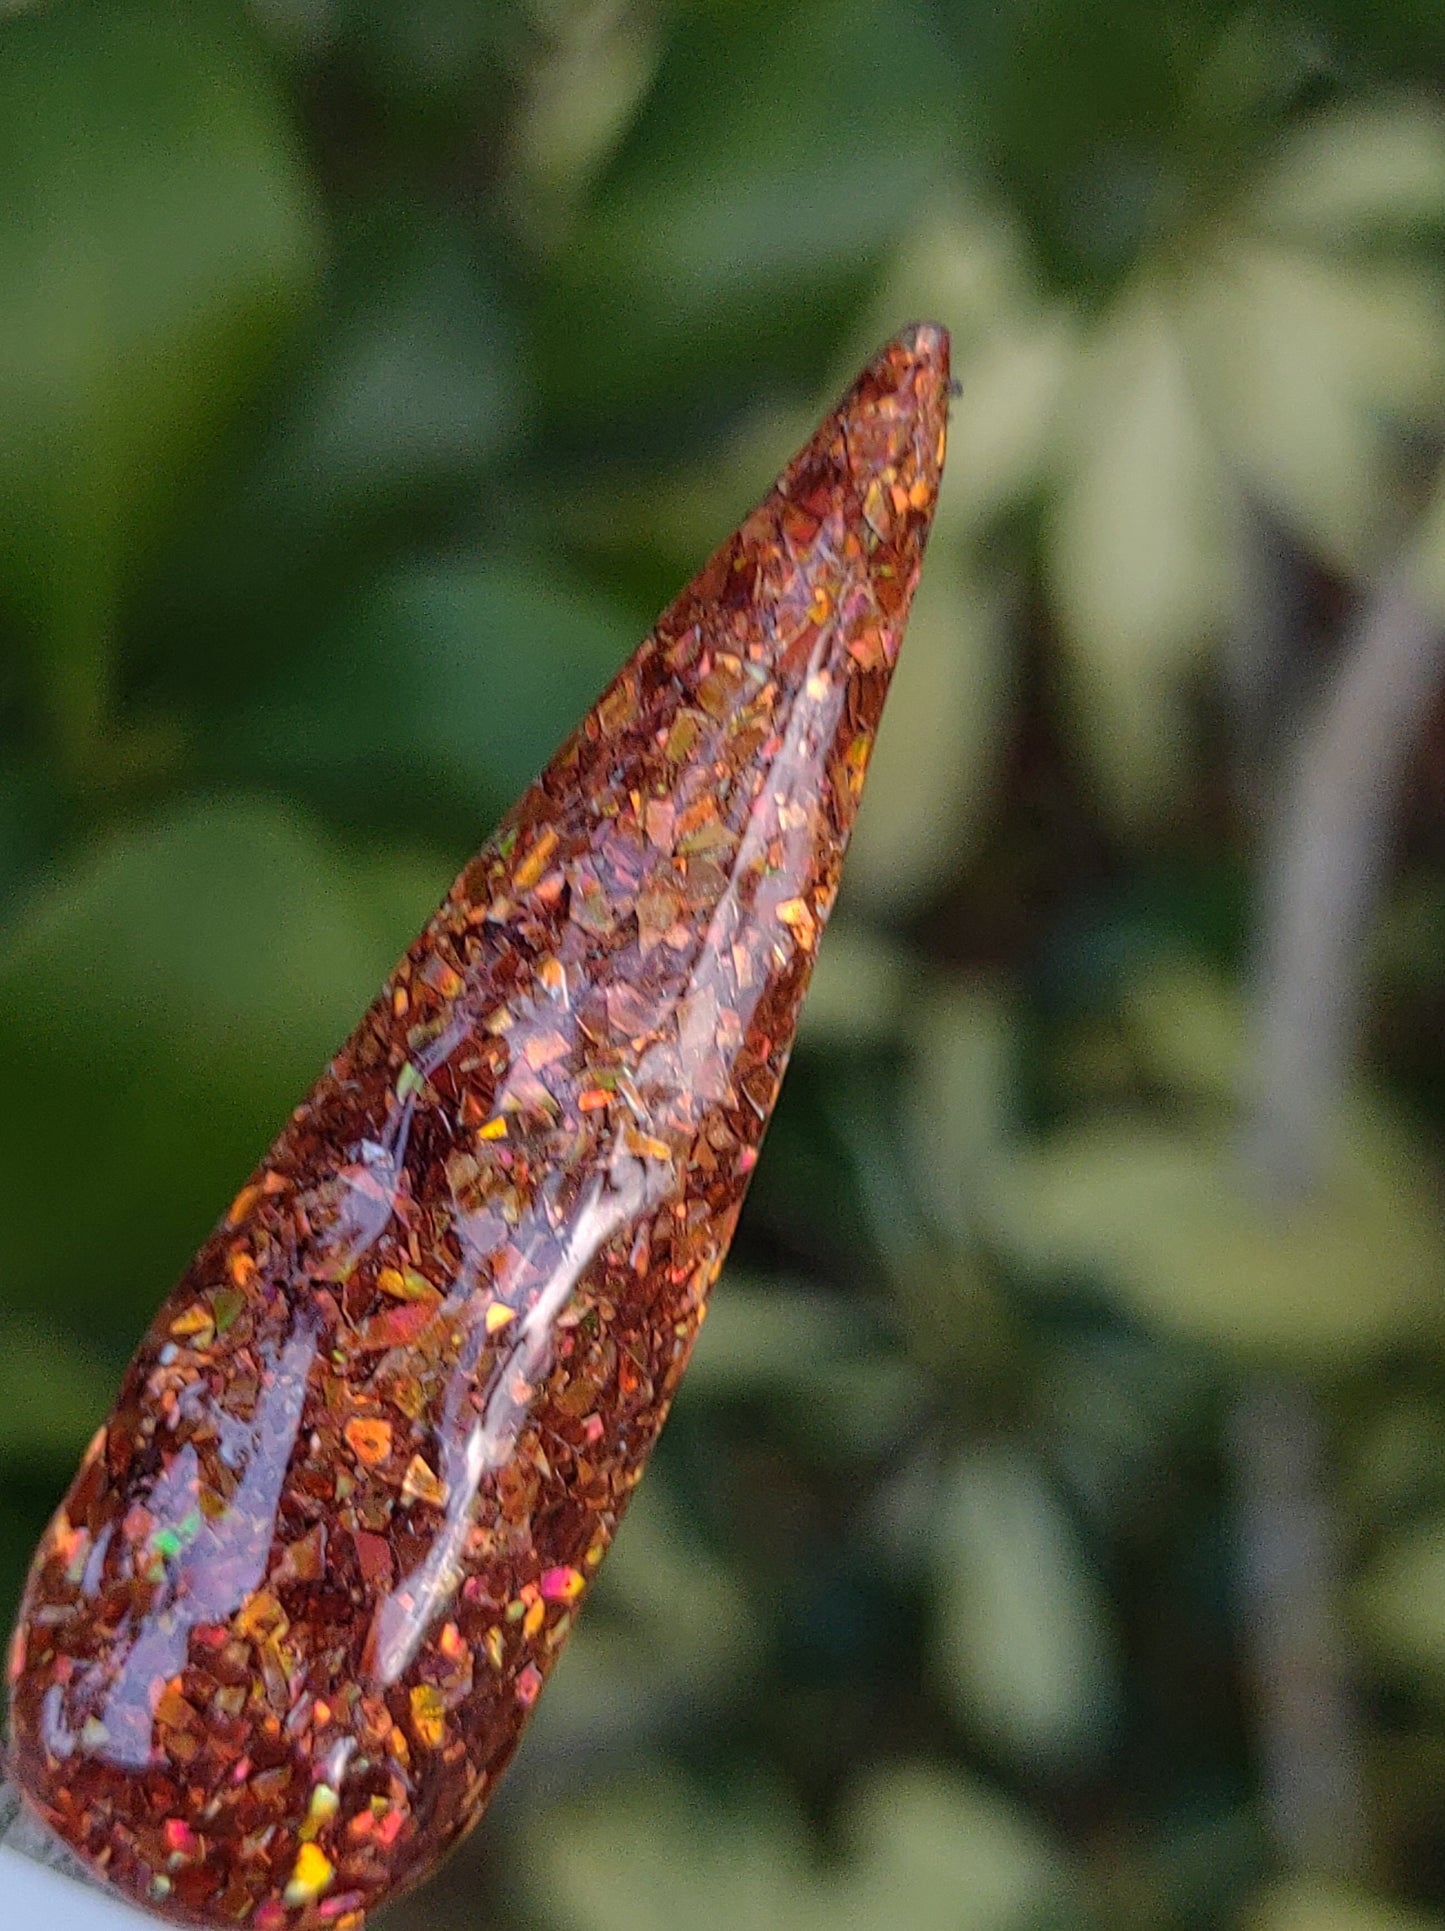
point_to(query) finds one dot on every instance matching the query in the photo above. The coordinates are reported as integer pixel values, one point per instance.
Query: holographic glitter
(284, 1632)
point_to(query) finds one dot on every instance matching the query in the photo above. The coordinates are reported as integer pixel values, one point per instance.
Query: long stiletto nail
(283, 1634)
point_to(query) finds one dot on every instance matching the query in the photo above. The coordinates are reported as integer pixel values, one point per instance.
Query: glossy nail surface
(283, 1634)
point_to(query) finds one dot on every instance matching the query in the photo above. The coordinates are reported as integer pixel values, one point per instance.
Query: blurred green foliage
(1052, 1531)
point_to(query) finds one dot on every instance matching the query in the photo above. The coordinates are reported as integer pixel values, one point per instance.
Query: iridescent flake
(284, 1632)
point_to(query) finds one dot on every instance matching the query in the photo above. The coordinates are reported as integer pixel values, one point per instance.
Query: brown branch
(1328, 863)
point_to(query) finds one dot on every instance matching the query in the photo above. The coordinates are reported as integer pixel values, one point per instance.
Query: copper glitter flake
(283, 1634)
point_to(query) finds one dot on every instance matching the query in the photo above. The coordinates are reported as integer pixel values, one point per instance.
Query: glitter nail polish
(284, 1632)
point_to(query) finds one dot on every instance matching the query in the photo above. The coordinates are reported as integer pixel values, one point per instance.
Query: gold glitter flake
(421, 1483)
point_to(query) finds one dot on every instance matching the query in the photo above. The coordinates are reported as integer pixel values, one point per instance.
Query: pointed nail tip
(916, 359)
(925, 342)
(922, 346)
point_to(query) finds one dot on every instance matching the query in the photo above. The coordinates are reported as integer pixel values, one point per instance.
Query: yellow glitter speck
(648, 1147)
(319, 1812)
(561, 1585)
(428, 1715)
(535, 863)
(421, 1483)
(196, 1320)
(312, 1872)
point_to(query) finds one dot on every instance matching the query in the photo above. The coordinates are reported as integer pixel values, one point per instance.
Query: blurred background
(1052, 1530)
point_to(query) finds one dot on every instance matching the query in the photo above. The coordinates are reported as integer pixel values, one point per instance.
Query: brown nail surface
(284, 1632)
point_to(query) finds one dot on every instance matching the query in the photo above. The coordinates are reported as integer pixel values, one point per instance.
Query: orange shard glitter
(286, 1627)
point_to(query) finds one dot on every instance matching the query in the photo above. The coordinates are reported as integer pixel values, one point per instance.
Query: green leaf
(434, 55)
(583, 94)
(414, 383)
(1399, 1605)
(929, 1850)
(1079, 107)
(1371, 171)
(1138, 557)
(763, 1337)
(53, 1396)
(1188, 1029)
(156, 240)
(1309, 369)
(1393, 1462)
(1316, 1904)
(966, 264)
(668, 1621)
(818, 1359)
(1427, 559)
(1022, 1644)
(932, 773)
(1169, 1220)
(959, 1097)
(162, 1008)
(437, 700)
(1003, 425)
(858, 992)
(417, 379)
(776, 158)
(302, 29)
(941, 1851)
(408, 397)
(654, 1853)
